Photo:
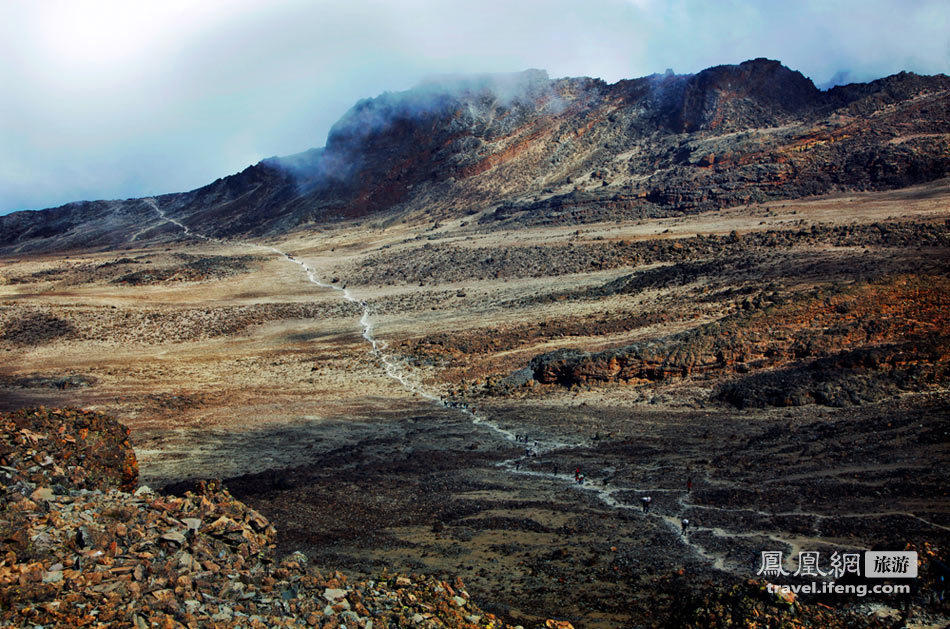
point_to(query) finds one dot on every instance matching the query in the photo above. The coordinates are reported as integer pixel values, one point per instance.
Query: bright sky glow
(113, 99)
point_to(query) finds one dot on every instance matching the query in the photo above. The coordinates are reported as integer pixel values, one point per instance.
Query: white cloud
(117, 98)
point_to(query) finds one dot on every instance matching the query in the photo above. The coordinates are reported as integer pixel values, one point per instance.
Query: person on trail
(689, 484)
(577, 474)
(645, 501)
(555, 469)
(942, 571)
(685, 524)
(517, 465)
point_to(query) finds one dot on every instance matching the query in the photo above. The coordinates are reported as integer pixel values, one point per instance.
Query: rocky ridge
(527, 149)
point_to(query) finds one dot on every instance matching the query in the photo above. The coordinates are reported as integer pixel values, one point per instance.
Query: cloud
(106, 99)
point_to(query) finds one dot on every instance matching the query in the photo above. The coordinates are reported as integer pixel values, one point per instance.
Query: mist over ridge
(525, 147)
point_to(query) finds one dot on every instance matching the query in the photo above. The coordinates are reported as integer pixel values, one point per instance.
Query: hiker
(943, 575)
(645, 501)
(517, 465)
(689, 484)
(580, 479)
(555, 469)
(577, 474)
(685, 524)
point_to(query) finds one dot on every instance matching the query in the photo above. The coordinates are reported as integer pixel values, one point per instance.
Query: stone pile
(78, 549)
(64, 449)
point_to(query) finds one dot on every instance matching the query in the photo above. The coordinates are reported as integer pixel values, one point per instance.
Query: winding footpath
(606, 495)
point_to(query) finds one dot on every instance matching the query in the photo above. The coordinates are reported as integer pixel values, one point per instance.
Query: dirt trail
(605, 495)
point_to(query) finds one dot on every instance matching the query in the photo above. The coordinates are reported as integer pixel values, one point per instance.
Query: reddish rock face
(755, 93)
(887, 325)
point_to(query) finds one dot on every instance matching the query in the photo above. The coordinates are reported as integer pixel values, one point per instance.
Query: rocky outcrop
(757, 93)
(832, 343)
(848, 378)
(195, 269)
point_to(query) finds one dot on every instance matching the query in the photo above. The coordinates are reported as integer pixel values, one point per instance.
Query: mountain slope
(525, 148)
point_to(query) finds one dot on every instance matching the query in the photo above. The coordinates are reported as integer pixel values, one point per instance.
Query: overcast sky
(115, 99)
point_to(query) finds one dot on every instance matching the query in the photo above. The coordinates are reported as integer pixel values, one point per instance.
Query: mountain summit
(525, 147)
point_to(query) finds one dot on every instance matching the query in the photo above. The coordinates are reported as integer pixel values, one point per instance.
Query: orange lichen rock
(68, 447)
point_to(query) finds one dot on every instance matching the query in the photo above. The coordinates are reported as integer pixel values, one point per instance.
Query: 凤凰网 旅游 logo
(890, 564)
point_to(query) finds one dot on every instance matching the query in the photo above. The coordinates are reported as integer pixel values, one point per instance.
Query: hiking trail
(606, 495)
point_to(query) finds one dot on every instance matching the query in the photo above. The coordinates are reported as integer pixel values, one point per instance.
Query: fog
(121, 99)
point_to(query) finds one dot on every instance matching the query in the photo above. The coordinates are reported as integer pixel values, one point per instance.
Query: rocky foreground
(82, 547)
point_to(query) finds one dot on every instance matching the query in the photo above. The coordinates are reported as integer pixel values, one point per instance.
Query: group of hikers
(645, 501)
(580, 478)
(528, 451)
(453, 404)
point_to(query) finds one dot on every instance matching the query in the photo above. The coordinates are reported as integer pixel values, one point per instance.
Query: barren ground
(226, 362)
